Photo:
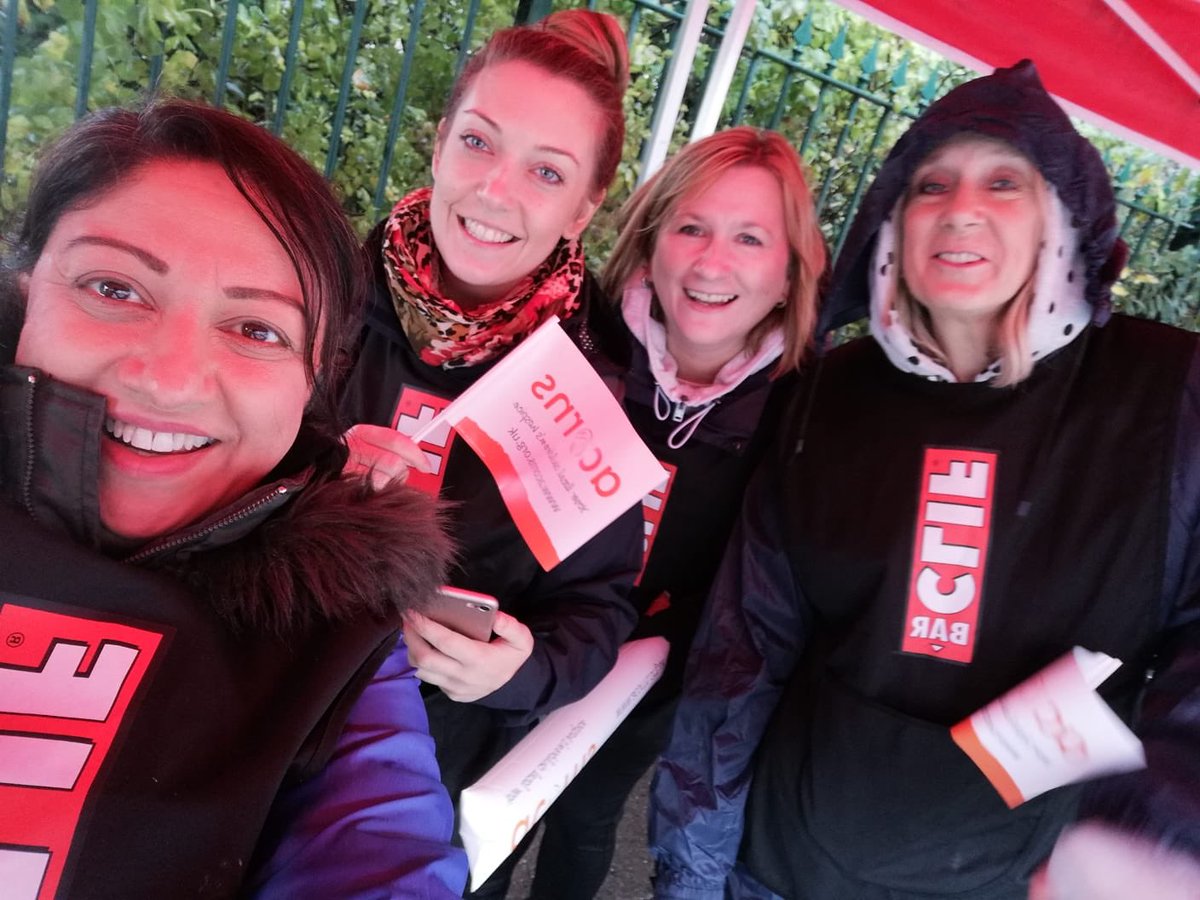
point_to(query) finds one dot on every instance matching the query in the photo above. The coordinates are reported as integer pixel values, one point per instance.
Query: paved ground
(629, 877)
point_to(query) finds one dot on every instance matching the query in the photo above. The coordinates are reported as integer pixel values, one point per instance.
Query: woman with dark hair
(186, 611)
(464, 271)
(1001, 472)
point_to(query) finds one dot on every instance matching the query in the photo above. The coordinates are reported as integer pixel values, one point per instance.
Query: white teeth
(154, 441)
(482, 232)
(701, 297)
(961, 257)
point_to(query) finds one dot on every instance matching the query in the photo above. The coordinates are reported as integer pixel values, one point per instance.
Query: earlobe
(23, 286)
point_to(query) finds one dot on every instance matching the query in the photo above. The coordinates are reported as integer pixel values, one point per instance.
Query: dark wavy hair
(106, 148)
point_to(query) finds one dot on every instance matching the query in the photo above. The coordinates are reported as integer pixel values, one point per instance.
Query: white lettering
(934, 549)
(954, 514)
(57, 689)
(964, 480)
(44, 762)
(959, 598)
(22, 871)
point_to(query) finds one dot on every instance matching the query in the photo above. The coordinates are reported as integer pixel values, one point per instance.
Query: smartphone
(469, 613)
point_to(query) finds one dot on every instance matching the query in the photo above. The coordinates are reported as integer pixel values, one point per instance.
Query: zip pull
(679, 411)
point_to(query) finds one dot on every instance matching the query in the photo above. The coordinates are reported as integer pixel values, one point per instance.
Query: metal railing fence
(357, 87)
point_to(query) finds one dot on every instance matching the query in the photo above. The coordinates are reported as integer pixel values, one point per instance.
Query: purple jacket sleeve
(1162, 802)
(746, 648)
(376, 821)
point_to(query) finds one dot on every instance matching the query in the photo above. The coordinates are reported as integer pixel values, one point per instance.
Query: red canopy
(1130, 66)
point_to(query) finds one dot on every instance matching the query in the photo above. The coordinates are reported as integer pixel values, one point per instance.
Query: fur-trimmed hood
(1010, 105)
(304, 547)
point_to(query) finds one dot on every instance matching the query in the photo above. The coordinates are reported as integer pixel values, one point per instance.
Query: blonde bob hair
(1010, 340)
(692, 171)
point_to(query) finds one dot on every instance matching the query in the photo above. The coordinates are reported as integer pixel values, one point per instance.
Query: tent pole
(671, 92)
(722, 76)
(1154, 41)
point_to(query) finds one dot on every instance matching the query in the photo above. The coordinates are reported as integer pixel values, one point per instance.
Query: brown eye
(114, 290)
(261, 333)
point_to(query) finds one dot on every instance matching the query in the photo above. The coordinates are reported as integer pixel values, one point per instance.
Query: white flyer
(498, 810)
(1050, 730)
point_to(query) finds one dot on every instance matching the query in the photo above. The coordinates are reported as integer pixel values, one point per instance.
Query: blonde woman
(717, 265)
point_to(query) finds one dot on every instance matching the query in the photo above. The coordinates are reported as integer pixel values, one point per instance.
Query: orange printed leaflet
(1051, 729)
(556, 441)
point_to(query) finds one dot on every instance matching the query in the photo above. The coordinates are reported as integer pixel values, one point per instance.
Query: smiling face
(720, 266)
(171, 298)
(512, 175)
(972, 226)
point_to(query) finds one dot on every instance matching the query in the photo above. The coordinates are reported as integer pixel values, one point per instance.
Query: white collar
(636, 302)
(1058, 312)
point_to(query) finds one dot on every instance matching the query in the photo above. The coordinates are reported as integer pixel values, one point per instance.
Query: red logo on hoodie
(954, 522)
(654, 507)
(65, 686)
(414, 410)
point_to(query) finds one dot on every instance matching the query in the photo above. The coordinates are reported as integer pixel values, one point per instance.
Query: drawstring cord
(676, 411)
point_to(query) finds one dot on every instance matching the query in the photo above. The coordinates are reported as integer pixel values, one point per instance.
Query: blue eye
(548, 175)
(931, 187)
(474, 142)
(1004, 184)
(690, 230)
(750, 240)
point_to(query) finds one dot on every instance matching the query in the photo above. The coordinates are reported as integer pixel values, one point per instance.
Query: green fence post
(835, 53)
(83, 79)
(532, 11)
(7, 60)
(339, 114)
(289, 67)
(464, 48)
(415, 14)
(226, 51)
(866, 70)
(801, 38)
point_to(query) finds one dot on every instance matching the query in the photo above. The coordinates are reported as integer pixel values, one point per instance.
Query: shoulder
(339, 550)
(598, 329)
(1143, 339)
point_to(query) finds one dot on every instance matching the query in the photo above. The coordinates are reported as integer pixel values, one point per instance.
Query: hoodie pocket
(893, 800)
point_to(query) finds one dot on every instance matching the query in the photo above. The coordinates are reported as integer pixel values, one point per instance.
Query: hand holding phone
(470, 613)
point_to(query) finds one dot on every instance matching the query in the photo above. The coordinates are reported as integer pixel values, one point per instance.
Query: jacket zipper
(30, 447)
(181, 539)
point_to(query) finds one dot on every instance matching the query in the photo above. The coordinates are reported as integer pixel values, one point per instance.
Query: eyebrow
(148, 259)
(254, 293)
(159, 267)
(545, 148)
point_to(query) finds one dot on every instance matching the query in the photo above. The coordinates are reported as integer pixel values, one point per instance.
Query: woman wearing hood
(1001, 472)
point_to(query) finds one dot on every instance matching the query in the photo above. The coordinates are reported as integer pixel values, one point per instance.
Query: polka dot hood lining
(1058, 312)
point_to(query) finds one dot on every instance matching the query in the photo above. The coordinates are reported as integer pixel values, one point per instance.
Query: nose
(713, 260)
(169, 366)
(962, 206)
(495, 185)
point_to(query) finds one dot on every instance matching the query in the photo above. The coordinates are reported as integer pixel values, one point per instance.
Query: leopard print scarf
(441, 331)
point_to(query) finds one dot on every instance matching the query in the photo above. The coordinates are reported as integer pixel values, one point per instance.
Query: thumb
(512, 631)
